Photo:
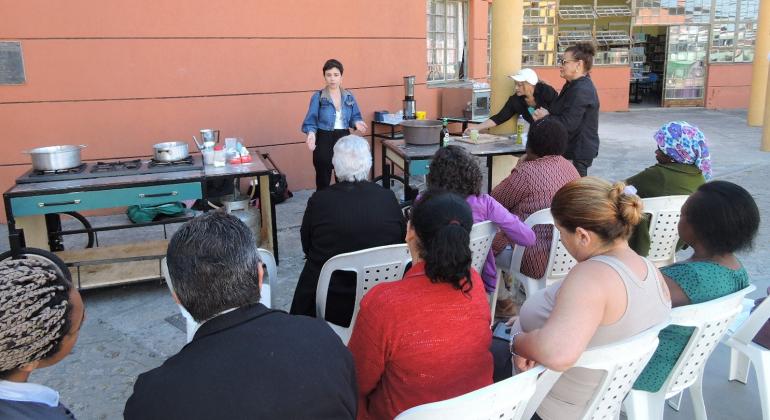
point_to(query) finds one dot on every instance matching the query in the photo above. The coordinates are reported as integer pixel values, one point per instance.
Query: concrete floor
(131, 329)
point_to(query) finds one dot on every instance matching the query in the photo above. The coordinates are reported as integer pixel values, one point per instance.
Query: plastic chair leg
(739, 366)
(696, 395)
(642, 405)
(763, 383)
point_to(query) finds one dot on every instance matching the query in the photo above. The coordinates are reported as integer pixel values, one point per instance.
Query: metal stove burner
(116, 166)
(188, 161)
(75, 170)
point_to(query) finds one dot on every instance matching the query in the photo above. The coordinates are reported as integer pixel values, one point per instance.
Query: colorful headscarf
(685, 143)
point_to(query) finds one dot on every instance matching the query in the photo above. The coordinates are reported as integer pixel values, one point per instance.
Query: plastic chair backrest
(559, 260)
(503, 400)
(664, 232)
(270, 280)
(710, 320)
(372, 267)
(623, 361)
(482, 235)
(746, 332)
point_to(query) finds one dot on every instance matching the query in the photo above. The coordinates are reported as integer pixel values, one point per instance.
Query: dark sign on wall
(11, 64)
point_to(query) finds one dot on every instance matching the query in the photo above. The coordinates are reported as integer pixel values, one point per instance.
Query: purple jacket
(484, 208)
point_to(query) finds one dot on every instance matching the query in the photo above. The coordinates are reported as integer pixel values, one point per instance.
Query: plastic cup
(421, 115)
(475, 135)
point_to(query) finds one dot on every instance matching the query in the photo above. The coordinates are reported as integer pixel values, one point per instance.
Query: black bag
(279, 187)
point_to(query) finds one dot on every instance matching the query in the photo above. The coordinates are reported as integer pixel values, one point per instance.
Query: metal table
(415, 160)
(27, 204)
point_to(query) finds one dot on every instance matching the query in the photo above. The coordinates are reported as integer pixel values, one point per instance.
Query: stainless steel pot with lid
(171, 151)
(55, 158)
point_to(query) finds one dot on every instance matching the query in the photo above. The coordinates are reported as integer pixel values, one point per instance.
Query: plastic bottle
(219, 155)
(519, 130)
(444, 133)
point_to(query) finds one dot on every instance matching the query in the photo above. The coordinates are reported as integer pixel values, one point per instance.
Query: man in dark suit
(351, 215)
(245, 361)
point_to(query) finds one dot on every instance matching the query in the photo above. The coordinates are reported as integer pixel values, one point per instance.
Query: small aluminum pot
(55, 158)
(171, 151)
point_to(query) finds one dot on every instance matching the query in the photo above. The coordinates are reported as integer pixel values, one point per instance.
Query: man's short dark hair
(332, 64)
(213, 263)
(547, 137)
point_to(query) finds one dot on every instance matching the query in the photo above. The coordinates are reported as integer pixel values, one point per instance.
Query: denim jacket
(321, 112)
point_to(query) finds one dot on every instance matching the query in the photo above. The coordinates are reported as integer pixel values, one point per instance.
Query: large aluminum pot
(55, 158)
(422, 132)
(171, 151)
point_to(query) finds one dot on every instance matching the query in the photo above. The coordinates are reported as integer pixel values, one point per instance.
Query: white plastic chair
(482, 235)
(744, 352)
(623, 361)
(664, 233)
(503, 400)
(191, 326)
(710, 320)
(372, 267)
(559, 260)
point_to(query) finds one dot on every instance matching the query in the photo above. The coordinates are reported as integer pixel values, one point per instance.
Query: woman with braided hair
(40, 317)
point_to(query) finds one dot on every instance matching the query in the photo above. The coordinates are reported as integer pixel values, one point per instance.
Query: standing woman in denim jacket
(332, 112)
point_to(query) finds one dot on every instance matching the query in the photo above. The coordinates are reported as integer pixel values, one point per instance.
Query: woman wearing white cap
(530, 94)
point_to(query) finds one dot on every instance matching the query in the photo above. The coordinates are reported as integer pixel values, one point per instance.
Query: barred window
(447, 39)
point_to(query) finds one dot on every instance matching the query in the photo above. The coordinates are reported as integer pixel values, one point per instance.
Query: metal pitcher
(209, 135)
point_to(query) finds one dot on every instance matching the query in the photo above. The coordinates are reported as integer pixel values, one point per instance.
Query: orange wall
(122, 76)
(728, 86)
(611, 83)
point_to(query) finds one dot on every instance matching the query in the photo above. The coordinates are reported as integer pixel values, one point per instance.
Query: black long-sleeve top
(577, 108)
(544, 94)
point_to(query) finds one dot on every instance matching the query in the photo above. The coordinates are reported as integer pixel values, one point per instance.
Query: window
(734, 31)
(446, 37)
(539, 33)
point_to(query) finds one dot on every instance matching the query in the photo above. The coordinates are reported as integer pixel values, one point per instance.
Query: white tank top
(338, 123)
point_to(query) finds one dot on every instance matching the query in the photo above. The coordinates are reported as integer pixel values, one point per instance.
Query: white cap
(525, 75)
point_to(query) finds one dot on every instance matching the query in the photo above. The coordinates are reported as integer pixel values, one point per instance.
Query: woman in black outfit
(530, 93)
(577, 106)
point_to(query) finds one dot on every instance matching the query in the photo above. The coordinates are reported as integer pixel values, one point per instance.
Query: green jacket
(659, 181)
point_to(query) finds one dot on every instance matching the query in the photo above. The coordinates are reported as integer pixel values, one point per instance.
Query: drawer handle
(60, 203)
(168, 194)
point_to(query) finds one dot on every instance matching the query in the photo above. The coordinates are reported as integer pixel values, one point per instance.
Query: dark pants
(322, 156)
(582, 165)
(340, 299)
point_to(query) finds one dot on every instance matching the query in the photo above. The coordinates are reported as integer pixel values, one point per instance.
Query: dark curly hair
(455, 170)
(547, 137)
(443, 222)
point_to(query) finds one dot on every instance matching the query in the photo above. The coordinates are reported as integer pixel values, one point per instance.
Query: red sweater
(417, 342)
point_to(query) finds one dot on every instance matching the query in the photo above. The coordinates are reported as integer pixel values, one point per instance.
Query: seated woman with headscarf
(684, 163)
(351, 215)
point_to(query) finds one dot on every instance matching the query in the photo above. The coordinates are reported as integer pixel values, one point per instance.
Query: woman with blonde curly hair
(611, 294)
(40, 317)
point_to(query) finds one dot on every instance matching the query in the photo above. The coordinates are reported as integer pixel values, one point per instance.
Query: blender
(410, 106)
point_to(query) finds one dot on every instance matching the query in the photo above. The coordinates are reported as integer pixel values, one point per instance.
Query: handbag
(279, 186)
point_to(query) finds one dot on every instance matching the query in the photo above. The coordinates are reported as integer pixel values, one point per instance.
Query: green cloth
(659, 181)
(701, 281)
(144, 214)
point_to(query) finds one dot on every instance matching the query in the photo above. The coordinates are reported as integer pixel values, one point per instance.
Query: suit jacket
(251, 363)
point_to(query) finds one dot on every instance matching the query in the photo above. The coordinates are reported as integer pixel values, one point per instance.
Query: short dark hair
(443, 222)
(547, 137)
(724, 217)
(213, 263)
(331, 64)
(455, 170)
(583, 51)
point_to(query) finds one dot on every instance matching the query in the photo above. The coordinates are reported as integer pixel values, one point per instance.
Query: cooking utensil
(171, 151)
(422, 132)
(210, 135)
(55, 158)
(200, 146)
